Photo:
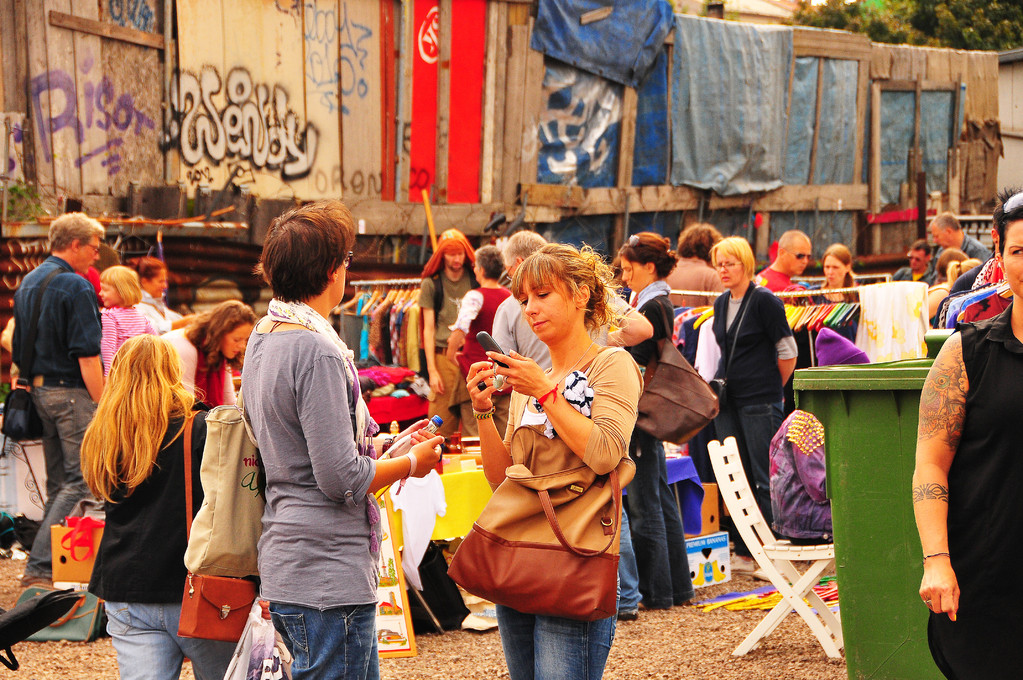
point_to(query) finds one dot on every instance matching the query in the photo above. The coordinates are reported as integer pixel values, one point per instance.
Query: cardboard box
(709, 559)
(76, 567)
(711, 523)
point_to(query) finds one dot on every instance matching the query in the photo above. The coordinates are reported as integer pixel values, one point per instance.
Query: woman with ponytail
(657, 535)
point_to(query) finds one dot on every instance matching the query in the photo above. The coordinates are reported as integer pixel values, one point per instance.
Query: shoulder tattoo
(943, 399)
(930, 492)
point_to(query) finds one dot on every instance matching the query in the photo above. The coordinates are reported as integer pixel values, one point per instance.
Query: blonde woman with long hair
(133, 458)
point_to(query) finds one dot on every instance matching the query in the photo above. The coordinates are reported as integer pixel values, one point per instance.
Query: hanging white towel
(893, 321)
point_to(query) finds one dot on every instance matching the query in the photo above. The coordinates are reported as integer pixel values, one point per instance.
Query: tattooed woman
(968, 477)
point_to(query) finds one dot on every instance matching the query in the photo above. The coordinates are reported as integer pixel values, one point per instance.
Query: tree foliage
(960, 24)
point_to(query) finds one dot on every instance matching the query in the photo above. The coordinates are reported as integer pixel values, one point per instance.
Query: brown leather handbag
(547, 541)
(212, 607)
(676, 402)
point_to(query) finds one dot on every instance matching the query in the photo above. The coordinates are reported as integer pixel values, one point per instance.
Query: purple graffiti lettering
(112, 144)
(50, 82)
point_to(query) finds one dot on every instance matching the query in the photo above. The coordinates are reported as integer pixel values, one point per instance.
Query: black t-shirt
(658, 311)
(753, 376)
(141, 555)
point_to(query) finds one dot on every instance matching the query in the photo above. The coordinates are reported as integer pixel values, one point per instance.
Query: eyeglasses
(95, 249)
(348, 259)
(728, 265)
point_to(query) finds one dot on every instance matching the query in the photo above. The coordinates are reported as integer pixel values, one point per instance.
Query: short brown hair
(696, 240)
(210, 327)
(646, 247)
(947, 220)
(303, 247)
(148, 268)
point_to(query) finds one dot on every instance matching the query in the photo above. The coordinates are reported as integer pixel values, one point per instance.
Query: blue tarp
(897, 113)
(579, 130)
(836, 139)
(651, 150)
(936, 130)
(802, 112)
(621, 47)
(729, 100)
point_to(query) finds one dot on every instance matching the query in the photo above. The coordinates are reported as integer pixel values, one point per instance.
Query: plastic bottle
(402, 446)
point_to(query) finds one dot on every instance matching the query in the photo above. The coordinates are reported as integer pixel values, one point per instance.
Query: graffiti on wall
(135, 14)
(250, 121)
(11, 125)
(104, 109)
(428, 36)
(337, 50)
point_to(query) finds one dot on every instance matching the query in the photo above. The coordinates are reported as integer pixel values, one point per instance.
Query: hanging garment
(893, 321)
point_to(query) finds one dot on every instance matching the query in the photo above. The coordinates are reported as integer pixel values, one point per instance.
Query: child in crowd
(120, 291)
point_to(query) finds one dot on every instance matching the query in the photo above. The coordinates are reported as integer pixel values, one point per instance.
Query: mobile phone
(490, 345)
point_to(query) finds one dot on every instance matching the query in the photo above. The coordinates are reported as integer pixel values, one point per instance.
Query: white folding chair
(775, 558)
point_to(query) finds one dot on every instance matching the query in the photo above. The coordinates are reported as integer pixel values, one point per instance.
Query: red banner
(468, 54)
(423, 132)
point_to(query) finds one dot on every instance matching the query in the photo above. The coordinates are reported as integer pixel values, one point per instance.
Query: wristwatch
(387, 443)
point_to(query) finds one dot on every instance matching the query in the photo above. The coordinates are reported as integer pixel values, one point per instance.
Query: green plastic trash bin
(870, 414)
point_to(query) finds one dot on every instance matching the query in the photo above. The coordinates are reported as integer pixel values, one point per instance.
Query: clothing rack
(818, 291)
(387, 282)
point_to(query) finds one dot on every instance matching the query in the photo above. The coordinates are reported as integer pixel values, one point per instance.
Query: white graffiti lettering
(255, 123)
(429, 36)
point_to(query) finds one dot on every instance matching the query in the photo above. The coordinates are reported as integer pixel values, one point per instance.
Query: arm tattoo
(930, 492)
(943, 399)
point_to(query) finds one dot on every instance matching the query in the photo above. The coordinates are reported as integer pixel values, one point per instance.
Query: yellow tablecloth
(466, 494)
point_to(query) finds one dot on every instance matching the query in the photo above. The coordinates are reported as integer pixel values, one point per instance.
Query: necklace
(579, 360)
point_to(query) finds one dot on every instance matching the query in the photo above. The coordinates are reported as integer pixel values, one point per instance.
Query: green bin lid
(893, 375)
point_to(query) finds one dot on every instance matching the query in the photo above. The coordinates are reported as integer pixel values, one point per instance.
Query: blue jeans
(332, 644)
(65, 412)
(553, 648)
(753, 428)
(146, 639)
(628, 572)
(657, 535)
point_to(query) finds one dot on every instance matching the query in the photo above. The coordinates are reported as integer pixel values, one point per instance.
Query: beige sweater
(617, 384)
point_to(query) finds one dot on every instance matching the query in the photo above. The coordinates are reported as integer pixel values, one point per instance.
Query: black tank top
(985, 514)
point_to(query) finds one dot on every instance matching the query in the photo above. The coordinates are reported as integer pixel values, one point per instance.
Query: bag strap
(70, 614)
(187, 440)
(552, 519)
(28, 357)
(738, 324)
(651, 367)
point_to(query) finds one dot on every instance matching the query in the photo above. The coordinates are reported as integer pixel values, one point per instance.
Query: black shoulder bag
(720, 385)
(21, 420)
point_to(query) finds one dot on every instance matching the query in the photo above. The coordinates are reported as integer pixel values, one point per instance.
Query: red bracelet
(554, 392)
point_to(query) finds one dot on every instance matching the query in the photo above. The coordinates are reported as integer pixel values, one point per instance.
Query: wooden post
(443, 101)
(404, 119)
(489, 105)
(816, 121)
(514, 95)
(626, 146)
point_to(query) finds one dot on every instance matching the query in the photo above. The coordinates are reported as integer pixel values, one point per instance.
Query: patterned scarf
(364, 426)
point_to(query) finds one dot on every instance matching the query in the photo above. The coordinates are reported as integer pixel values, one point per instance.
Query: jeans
(553, 648)
(146, 639)
(65, 412)
(753, 428)
(628, 572)
(332, 644)
(657, 535)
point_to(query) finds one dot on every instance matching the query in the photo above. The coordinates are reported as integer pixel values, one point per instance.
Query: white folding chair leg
(831, 621)
(801, 584)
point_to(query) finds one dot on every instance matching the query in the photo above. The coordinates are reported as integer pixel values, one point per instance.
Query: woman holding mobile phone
(581, 410)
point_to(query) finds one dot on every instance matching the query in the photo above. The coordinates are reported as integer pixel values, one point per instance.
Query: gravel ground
(682, 642)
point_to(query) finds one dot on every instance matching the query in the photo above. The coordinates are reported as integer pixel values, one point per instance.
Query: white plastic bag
(260, 654)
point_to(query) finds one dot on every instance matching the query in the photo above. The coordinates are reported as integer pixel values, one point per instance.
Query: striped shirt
(119, 325)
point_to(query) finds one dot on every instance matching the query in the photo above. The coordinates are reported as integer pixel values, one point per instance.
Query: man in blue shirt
(66, 375)
(948, 233)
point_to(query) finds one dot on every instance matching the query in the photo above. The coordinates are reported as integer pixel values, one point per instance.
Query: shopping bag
(260, 653)
(84, 622)
(74, 548)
